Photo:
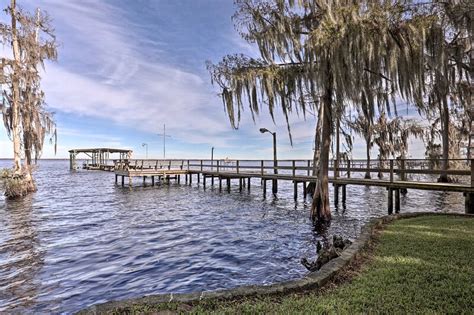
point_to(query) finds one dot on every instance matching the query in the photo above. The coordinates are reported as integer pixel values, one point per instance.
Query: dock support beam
(343, 194)
(469, 197)
(390, 200)
(264, 188)
(397, 200)
(248, 184)
(336, 194)
(469, 203)
(228, 184)
(295, 190)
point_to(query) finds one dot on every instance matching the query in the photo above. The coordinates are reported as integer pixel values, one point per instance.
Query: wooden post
(390, 200)
(391, 170)
(264, 188)
(220, 183)
(240, 184)
(198, 177)
(248, 184)
(397, 200)
(144, 180)
(261, 167)
(217, 166)
(237, 166)
(309, 169)
(190, 179)
(212, 180)
(116, 176)
(275, 181)
(402, 169)
(469, 197)
(186, 178)
(344, 194)
(156, 165)
(123, 180)
(201, 169)
(130, 181)
(188, 165)
(336, 194)
(179, 179)
(204, 181)
(304, 190)
(228, 184)
(153, 180)
(295, 189)
(348, 168)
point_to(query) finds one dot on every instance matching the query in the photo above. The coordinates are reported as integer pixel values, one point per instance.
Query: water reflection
(21, 256)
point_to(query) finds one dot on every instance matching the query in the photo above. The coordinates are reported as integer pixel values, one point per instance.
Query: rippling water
(82, 240)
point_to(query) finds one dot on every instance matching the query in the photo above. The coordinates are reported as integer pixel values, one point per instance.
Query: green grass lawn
(418, 265)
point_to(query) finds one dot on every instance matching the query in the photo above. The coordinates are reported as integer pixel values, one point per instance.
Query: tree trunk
(317, 140)
(320, 209)
(15, 106)
(367, 173)
(445, 140)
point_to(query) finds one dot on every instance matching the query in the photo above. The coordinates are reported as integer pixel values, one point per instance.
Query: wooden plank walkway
(298, 172)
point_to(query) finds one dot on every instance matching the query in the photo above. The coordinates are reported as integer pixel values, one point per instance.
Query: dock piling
(397, 200)
(295, 190)
(343, 194)
(390, 200)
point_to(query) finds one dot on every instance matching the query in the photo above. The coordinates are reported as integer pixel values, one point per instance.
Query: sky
(125, 68)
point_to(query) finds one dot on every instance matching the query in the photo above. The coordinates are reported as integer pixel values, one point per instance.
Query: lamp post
(275, 163)
(146, 147)
(212, 158)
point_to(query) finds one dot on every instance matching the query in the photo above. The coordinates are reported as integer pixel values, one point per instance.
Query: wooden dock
(300, 172)
(98, 158)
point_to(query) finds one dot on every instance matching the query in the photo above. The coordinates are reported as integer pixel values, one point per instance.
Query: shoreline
(313, 280)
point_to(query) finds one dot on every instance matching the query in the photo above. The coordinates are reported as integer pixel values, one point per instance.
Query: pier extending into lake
(301, 172)
(98, 158)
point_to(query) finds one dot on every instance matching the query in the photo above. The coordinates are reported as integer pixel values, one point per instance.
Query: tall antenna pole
(164, 140)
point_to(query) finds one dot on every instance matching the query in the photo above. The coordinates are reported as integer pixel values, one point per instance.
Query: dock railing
(403, 168)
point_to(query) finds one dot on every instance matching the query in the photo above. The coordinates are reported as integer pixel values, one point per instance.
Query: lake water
(82, 240)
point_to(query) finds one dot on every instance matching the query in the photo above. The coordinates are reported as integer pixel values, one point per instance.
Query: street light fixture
(275, 163)
(146, 147)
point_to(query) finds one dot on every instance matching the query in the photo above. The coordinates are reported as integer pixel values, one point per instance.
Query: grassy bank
(417, 265)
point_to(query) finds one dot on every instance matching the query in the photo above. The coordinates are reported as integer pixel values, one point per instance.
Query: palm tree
(332, 50)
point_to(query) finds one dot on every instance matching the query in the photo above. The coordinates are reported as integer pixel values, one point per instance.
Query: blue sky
(127, 67)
